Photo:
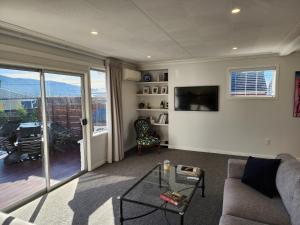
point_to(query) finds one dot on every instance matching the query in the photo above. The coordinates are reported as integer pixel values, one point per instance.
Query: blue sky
(97, 77)
(268, 75)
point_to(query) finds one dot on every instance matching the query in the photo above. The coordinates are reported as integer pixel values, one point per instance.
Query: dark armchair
(8, 136)
(145, 137)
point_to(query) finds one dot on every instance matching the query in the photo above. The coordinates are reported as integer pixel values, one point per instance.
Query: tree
(33, 116)
(21, 113)
(3, 117)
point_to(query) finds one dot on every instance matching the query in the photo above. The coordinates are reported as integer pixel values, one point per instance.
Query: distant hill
(31, 87)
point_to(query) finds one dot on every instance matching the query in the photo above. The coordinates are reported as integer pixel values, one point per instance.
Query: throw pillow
(260, 174)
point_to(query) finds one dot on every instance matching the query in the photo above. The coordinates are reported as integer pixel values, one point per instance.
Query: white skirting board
(102, 162)
(98, 164)
(220, 151)
(216, 151)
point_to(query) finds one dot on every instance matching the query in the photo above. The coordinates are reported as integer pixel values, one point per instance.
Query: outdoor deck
(26, 178)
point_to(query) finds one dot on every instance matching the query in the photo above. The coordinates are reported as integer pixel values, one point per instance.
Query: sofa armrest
(236, 168)
(8, 219)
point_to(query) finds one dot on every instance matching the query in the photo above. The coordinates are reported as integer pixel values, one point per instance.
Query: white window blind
(259, 82)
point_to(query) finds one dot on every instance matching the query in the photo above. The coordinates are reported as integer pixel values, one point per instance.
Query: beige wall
(241, 126)
(99, 150)
(129, 101)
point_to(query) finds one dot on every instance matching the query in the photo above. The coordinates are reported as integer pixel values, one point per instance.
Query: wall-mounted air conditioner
(131, 75)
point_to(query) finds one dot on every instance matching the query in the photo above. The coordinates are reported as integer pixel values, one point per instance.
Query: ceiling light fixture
(94, 32)
(234, 48)
(235, 10)
(149, 56)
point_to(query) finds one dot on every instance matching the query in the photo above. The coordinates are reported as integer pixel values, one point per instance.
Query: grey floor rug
(92, 198)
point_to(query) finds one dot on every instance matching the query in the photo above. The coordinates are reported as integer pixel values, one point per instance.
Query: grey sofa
(7, 219)
(243, 205)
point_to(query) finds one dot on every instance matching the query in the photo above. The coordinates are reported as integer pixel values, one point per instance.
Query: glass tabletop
(148, 189)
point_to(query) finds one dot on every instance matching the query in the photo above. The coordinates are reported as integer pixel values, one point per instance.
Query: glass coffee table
(146, 191)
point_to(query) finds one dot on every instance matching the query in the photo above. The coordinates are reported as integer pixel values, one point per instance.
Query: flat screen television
(200, 98)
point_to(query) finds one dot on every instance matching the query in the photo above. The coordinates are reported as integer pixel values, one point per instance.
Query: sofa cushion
(260, 174)
(232, 220)
(240, 200)
(295, 217)
(288, 185)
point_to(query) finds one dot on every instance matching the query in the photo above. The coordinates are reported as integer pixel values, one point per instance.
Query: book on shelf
(188, 170)
(174, 198)
(163, 119)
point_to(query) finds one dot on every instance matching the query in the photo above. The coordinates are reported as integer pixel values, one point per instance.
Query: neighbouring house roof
(7, 95)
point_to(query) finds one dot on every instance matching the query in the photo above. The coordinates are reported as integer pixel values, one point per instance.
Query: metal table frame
(154, 207)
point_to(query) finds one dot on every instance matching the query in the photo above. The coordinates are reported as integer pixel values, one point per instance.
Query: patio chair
(145, 135)
(31, 131)
(31, 146)
(60, 136)
(8, 128)
(7, 143)
(8, 136)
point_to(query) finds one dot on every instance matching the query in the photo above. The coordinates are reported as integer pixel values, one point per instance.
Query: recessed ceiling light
(149, 56)
(235, 10)
(234, 48)
(94, 32)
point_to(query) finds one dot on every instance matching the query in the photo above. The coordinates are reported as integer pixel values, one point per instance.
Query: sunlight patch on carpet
(105, 212)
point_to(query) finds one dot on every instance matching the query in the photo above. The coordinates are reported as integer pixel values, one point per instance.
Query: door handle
(84, 122)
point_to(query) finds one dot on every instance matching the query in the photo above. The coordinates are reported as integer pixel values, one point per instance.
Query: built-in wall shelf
(158, 110)
(151, 95)
(160, 124)
(163, 143)
(154, 82)
(155, 95)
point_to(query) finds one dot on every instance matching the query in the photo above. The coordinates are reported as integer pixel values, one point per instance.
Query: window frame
(245, 97)
(98, 133)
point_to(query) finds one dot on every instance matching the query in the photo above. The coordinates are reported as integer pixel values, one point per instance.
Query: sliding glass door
(42, 141)
(21, 134)
(64, 111)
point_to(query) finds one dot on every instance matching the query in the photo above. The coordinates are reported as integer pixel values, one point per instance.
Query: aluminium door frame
(84, 131)
(46, 160)
(45, 150)
(43, 190)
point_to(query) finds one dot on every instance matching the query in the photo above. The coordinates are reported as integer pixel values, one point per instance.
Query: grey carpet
(92, 198)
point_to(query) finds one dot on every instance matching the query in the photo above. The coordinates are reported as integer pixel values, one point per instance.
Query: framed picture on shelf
(164, 90)
(154, 90)
(146, 90)
(161, 77)
(147, 77)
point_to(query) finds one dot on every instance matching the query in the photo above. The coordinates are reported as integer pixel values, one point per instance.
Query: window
(99, 100)
(259, 82)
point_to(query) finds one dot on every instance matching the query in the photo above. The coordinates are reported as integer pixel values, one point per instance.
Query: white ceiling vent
(131, 75)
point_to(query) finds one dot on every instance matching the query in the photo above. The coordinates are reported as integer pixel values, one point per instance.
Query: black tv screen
(201, 98)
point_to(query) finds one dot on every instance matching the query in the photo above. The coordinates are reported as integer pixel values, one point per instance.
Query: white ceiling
(164, 29)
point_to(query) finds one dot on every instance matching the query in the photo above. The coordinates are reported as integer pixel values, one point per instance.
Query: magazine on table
(174, 198)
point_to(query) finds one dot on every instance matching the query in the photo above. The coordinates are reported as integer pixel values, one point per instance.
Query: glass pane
(21, 169)
(253, 83)
(64, 112)
(150, 187)
(99, 100)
